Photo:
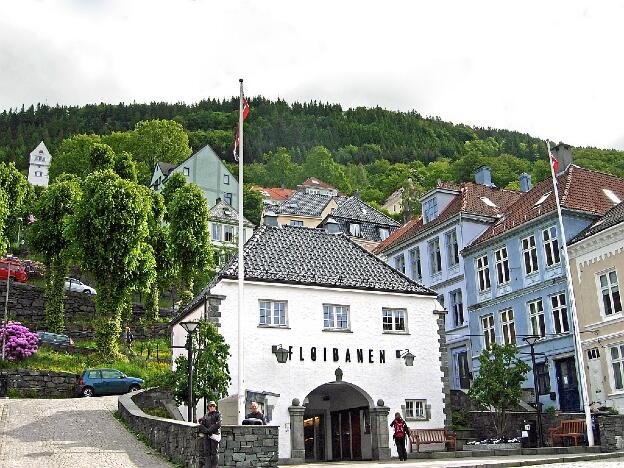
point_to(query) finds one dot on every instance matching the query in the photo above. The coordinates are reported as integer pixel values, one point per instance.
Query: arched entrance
(337, 423)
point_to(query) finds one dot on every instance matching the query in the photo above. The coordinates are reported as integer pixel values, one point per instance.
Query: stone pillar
(444, 366)
(379, 431)
(297, 448)
(211, 308)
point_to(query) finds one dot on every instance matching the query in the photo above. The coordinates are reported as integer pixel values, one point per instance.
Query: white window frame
(559, 310)
(508, 326)
(231, 230)
(616, 366)
(457, 307)
(430, 210)
(529, 255)
(489, 330)
(384, 233)
(355, 229)
(550, 241)
(484, 282)
(275, 311)
(415, 263)
(501, 265)
(330, 317)
(435, 256)
(38, 173)
(609, 290)
(452, 248)
(416, 410)
(537, 318)
(295, 222)
(399, 262)
(216, 229)
(391, 320)
(226, 179)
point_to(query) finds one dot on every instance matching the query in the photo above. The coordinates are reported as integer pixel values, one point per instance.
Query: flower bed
(493, 444)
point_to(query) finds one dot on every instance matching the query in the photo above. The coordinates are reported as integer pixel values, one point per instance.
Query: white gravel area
(73, 432)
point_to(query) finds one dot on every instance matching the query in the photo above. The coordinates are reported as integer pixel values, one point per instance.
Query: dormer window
(542, 199)
(384, 233)
(430, 210)
(355, 229)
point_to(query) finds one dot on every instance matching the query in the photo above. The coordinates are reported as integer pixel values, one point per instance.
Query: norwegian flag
(237, 139)
(553, 162)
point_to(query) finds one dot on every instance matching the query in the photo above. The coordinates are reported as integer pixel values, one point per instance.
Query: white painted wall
(393, 381)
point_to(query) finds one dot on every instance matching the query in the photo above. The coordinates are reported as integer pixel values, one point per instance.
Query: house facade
(39, 165)
(205, 169)
(394, 203)
(597, 269)
(516, 281)
(224, 231)
(350, 325)
(427, 250)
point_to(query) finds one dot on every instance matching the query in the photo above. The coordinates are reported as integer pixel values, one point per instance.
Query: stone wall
(37, 384)
(249, 446)
(611, 430)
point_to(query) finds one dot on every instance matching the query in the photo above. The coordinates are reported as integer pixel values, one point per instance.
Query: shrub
(20, 341)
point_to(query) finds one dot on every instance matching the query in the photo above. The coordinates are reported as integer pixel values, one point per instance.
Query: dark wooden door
(356, 435)
(335, 433)
(567, 384)
(345, 429)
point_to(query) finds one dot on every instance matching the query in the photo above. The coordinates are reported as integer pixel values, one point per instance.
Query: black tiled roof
(224, 213)
(305, 204)
(309, 256)
(612, 217)
(355, 209)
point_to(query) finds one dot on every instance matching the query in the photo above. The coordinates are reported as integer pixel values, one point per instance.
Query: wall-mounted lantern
(405, 354)
(280, 353)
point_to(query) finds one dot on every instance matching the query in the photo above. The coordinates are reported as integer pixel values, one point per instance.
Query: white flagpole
(577, 333)
(241, 272)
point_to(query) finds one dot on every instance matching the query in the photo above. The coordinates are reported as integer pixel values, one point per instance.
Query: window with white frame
(355, 229)
(216, 232)
(610, 292)
(399, 263)
(335, 317)
(187, 171)
(489, 333)
(273, 313)
(228, 233)
(296, 223)
(226, 179)
(483, 273)
(536, 316)
(529, 254)
(617, 364)
(394, 320)
(38, 174)
(435, 256)
(384, 233)
(560, 313)
(431, 210)
(415, 263)
(501, 262)
(452, 248)
(508, 327)
(457, 307)
(551, 246)
(415, 409)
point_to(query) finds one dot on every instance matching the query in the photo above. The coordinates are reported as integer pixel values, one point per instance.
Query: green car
(107, 382)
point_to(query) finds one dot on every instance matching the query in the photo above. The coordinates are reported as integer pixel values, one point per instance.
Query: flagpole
(577, 332)
(241, 273)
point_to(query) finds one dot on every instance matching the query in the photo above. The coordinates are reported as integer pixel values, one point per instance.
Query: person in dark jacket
(255, 413)
(401, 432)
(210, 426)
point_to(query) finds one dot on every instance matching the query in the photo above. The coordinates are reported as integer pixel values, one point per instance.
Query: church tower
(39, 165)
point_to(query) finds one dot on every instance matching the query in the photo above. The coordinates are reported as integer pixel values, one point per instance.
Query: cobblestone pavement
(72, 433)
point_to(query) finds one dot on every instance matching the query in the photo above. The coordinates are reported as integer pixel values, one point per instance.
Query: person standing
(401, 432)
(129, 338)
(255, 413)
(210, 426)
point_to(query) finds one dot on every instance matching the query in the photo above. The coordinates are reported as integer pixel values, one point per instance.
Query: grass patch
(159, 412)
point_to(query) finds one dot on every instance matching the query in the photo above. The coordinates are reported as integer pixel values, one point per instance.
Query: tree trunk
(109, 302)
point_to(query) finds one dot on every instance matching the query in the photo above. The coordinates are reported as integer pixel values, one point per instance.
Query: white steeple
(40, 159)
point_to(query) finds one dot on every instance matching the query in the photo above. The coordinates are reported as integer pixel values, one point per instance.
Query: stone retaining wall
(29, 383)
(611, 430)
(249, 446)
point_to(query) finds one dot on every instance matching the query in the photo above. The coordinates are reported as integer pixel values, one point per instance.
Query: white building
(346, 319)
(39, 165)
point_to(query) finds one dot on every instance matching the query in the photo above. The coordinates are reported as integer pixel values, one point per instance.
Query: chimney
(218, 200)
(270, 219)
(525, 182)
(332, 226)
(563, 153)
(483, 176)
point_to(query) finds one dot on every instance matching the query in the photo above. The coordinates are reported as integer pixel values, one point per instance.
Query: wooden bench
(573, 428)
(431, 436)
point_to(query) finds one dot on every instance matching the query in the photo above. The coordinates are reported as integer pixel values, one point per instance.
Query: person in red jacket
(401, 432)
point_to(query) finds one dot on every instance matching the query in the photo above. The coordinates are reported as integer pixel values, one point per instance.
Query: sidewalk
(480, 462)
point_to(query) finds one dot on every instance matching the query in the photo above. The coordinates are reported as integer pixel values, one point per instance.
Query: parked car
(73, 284)
(107, 382)
(17, 271)
(54, 338)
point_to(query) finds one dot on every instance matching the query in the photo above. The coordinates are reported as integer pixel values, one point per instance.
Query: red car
(17, 270)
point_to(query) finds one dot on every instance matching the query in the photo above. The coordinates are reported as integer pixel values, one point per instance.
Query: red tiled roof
(274, 193)
(579, 189)
(314, 182)
(469, 200)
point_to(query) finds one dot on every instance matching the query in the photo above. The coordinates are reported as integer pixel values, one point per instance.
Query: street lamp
(405, 354)
(280, 353)
(190, 329)
(531, 340)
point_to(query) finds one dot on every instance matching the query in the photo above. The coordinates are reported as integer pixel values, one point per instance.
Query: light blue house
(428, 249)
(205, 169)
(516, 282)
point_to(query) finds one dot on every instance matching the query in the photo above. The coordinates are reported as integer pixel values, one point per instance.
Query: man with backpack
(401, 432)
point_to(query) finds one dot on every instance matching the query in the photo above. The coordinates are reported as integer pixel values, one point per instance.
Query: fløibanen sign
(336, 355)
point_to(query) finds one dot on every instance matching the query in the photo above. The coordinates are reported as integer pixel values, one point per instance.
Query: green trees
(252, 204)
(48, 236)
(499, 383)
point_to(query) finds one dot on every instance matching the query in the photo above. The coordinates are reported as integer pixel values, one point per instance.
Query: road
(69, 433)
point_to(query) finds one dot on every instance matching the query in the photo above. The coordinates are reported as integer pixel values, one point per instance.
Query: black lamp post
(280, 353)
(190, 329)
(405, 354)
(531, 340)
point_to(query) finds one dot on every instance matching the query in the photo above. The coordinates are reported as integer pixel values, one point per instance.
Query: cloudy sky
(553, 69)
